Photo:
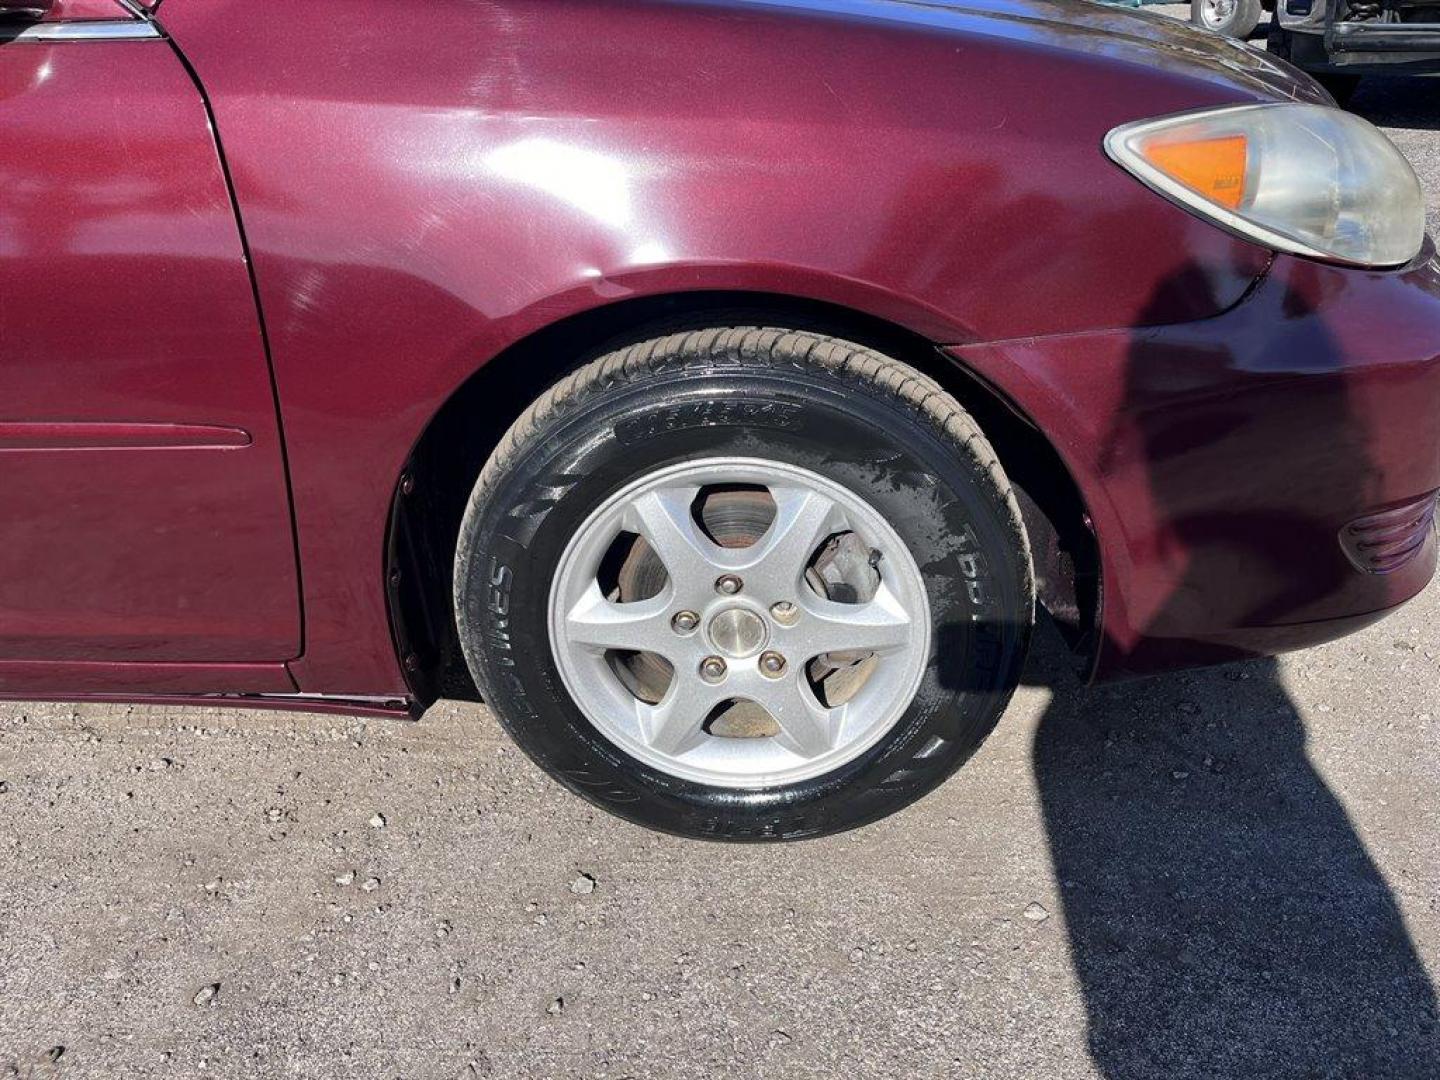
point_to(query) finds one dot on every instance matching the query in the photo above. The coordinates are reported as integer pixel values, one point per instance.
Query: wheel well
(441, 472)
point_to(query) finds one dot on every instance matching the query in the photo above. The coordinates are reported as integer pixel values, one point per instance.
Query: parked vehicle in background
(1233, 18)
(722, 432)
(1338, 41)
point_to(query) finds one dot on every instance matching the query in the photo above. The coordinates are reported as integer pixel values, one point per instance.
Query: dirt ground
(1233, 873)
(1228, 873)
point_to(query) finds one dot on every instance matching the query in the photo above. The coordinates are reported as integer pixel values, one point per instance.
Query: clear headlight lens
(1301, 178)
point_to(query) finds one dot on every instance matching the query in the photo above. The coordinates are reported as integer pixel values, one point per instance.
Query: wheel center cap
(737, 632)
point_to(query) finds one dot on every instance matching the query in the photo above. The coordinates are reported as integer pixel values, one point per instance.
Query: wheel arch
(431, 493)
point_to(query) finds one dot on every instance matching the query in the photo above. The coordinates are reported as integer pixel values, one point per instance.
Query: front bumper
(1223, 460)
(1327, 42)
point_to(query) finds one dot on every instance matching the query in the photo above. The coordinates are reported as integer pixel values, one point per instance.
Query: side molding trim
(102, 435)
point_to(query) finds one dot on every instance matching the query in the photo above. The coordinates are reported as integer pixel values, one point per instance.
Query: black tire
(888, 433)
(1240, 24)
(1278, 40)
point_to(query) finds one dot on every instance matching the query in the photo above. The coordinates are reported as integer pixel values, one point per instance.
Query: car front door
(144, 511)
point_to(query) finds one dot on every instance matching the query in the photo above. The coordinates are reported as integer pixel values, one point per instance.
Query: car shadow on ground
(1224, 917)
(1410, 102)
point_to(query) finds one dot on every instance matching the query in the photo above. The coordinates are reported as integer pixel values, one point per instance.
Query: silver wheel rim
(729, 604)
(1217, 13)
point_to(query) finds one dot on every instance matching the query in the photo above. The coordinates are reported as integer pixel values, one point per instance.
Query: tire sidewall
(939, 501)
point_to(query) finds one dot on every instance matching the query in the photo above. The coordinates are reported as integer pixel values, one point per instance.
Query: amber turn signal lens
(1306, 179)
(1214, 168)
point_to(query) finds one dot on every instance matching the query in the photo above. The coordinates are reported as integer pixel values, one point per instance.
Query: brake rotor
(844, 571)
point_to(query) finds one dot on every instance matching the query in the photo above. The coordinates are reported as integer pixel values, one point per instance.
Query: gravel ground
(1232, 873)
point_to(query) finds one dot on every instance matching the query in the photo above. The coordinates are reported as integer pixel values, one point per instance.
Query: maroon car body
(264, 265)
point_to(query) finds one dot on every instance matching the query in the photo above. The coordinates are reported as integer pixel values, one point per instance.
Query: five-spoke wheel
(741, 588)
(745, 583)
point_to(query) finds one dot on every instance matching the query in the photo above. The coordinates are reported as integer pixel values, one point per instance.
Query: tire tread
(765, 346)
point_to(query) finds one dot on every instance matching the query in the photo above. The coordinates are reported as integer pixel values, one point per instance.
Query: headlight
(1302, 178)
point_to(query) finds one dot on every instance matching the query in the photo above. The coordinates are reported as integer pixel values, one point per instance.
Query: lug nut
(772, 664)
(785, 613)
(685, 622)
(729, 584)
(712, 669)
